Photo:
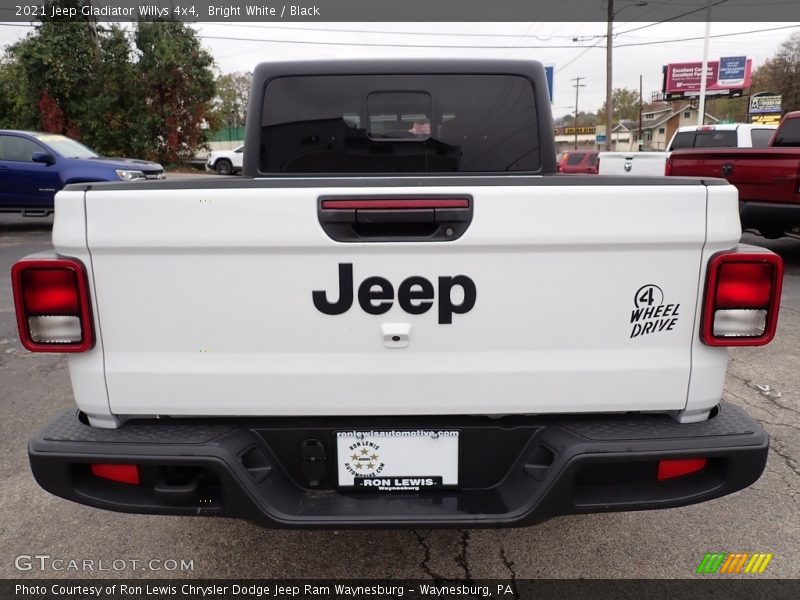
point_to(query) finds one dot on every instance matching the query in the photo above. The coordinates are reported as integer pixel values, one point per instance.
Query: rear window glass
(575, 159)
(704, 139)
(716, 139)
(761, 137)
(682, 139)
(789, 133)
(351, 124)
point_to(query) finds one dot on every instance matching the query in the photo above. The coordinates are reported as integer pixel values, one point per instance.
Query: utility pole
(701, 108)
(609, 62)
(641, 145)
(577, 85)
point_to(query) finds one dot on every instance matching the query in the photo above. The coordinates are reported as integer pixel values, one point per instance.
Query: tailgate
(633, 163)
(760, 175)
(584, 297)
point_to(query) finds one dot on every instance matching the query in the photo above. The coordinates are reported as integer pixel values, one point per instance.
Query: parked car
(34, 166)
(768, 179)
(728, 135)
(226, 162)
(578, 162)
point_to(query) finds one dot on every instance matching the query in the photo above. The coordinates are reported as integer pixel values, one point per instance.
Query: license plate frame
(398, 460)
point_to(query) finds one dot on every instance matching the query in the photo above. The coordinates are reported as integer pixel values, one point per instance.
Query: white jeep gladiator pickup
(399, 316)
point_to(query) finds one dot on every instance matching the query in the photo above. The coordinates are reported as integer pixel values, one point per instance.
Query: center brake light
(52, 304)
(742, 299)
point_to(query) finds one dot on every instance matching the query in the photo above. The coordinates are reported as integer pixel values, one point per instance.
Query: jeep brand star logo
(415, 295)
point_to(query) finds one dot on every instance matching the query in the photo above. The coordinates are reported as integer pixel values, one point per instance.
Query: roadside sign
(773, 119)
(579, 130)
(600, 138)
(760, 105)
(548, 72)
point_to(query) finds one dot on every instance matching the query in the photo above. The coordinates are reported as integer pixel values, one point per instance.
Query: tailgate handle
(727, 170)
(395, 218)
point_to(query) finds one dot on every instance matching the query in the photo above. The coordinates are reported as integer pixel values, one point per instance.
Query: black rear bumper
(513, 470)
(769, 218)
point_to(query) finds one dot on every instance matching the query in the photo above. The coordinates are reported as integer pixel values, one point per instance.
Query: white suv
(226, 162)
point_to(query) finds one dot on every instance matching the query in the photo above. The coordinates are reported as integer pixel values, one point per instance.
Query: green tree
(178, 87)
(16, 112)
(584, 119)
(144, 93)
(233, 94)
(729, 109)
(626, 105)
(56, 64)
(781, 74)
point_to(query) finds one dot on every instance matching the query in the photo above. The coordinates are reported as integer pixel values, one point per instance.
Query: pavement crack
(749, 383)
(461, 555)
(789, 425)
(748, 402)
(509, 564)
(789, 460)
(425, 562)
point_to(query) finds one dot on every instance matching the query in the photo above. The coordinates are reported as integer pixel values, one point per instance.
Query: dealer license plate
(397, 460)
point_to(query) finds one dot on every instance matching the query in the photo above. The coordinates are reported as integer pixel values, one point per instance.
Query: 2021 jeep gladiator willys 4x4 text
(400, 316)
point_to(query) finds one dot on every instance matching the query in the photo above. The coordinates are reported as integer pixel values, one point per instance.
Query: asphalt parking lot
(763, 518)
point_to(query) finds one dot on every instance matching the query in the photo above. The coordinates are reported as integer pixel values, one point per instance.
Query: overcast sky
(247, 44)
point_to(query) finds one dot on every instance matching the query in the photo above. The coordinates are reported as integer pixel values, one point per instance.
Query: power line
(462, 46)
(418, 33)
(492, 47)
(675, 18)
(719, 35)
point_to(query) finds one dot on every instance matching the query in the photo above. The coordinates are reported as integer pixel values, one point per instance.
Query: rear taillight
(668, 167)
(743, 292)
(52, 303)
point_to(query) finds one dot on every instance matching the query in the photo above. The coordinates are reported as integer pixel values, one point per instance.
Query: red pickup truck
(768, 179)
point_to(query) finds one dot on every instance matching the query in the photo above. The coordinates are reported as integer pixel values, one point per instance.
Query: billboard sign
(732, 71)
(765, 105)
(726, 76)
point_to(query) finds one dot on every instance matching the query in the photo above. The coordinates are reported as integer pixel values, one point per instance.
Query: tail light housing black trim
(742, 298)
(51, 296)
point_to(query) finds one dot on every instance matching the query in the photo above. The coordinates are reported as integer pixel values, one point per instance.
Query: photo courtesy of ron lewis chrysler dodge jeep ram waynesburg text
(401, 315)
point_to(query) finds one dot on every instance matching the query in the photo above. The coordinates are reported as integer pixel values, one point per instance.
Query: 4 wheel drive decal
(415, 295)
(650, 314)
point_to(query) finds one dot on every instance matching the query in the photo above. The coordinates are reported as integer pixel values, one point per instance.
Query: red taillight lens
(50, 291)
(742, 300)
(52, 304)
(678, 467)
(668, 167)
(119, 473)
(744, 285)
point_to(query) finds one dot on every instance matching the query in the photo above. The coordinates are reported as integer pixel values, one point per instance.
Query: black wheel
(223, 166)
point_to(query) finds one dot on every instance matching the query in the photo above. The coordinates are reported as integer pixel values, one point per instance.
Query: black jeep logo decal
(415, 295)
